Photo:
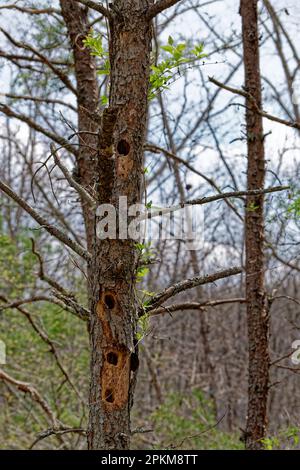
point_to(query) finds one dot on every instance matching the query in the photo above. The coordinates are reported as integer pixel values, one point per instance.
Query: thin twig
(80, 189)
(216, 197)
(35, 395)
(200, 306)
(194, 436)
(245, 94)
(57, 432)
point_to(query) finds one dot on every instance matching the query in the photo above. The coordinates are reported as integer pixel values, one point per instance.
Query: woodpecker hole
(112, 358)
(123, 147)
(109, 397)
(109, 301)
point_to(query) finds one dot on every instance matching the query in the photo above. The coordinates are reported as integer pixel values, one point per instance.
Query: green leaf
(163, 72)
(167, 48)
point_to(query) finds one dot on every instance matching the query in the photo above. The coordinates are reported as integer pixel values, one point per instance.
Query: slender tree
(257, 305)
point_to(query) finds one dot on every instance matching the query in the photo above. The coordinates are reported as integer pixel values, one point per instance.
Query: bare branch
(67, 303)
(35, 395)
(66, 300)
(236, 91)
(52, 283)
(160, 6)
(194, 436)
(9, 112)
(39, 100)
(19, 302)
(176, 158)
(62, 76)
(80, 189)
(216, 197)
(16, 57)
(252, 192)
(70, 302)
(44, 337)
(279, 258)
(57, 432)
(194, 306)
(95, 6)
(54, 231)
(182, 286)
(31, 11)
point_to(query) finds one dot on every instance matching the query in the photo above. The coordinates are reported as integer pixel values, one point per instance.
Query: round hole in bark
(112, 358)
(109, 397)
(109, 301)
(123, 147)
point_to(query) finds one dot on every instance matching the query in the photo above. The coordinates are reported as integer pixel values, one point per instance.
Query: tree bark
(76, 20)
(257, 308)
(116, 171)
(114, 352)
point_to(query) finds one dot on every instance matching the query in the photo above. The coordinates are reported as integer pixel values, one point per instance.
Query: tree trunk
(76, 20)
(115, 169)
(114, 353)
(257, 309)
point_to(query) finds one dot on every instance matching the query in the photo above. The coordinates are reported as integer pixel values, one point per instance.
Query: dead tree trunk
(257, 310)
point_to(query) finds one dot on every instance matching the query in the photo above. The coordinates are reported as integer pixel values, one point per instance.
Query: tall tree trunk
(112, 273)
(117, 171)
(76, 20)
(257, 309)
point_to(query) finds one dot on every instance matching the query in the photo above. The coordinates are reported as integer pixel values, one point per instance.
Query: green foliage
(143, 327)
(142, 271)
(252, 207)
(270, 443)
(16, 263)
(29, 358)
(286, 439)
(94, 42)
(145, 254)
(189, 422)
(177, 56)
(104, 100)
(294, 206)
